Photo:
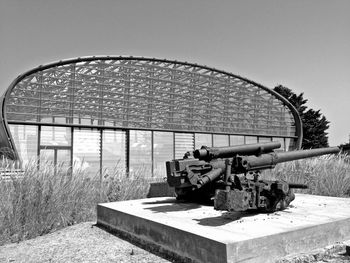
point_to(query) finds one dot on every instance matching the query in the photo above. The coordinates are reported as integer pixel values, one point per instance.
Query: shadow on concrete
(228, 217)
(225, 218)
(171, 205)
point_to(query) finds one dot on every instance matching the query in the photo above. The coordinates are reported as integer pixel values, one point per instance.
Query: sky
(301, 44)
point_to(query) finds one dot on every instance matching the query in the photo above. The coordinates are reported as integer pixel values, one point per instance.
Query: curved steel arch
(142, 74)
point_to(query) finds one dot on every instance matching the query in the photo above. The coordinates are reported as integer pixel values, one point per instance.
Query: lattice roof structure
(149, 94)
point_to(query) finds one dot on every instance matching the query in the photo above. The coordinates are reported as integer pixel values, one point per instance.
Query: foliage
(314, 127)
(314, 123)
(297, 101)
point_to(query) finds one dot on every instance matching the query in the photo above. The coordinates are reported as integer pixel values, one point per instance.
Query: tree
(314, 123)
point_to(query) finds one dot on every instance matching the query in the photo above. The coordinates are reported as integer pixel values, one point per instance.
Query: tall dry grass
(49, 198)
(327, 175)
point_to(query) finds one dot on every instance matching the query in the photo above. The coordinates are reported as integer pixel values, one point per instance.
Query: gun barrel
(269, 160)
(296, 155)
(209, 153)
(297, 186)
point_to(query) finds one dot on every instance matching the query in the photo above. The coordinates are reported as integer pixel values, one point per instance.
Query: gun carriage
(230, 176)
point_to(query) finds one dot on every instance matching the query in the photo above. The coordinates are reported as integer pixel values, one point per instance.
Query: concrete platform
(199, 233)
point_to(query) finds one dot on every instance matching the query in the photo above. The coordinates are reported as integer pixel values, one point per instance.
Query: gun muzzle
(209, 177)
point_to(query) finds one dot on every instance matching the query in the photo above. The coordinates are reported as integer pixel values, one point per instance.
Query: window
(114, 152)
(220, 140)
(290, 144)
(163, 150)
(55, 136)
(251, 139)
(184, 142)
(202, 139)
(236, 140)
(264, 139)
(141, 152)
(26, 140)
(86, 150)
(55, 146)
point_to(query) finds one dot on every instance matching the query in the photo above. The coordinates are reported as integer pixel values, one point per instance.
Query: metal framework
(149, 94)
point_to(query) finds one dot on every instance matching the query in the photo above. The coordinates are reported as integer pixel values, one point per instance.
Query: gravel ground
(87, 243)
(336, 253)
(79, 243)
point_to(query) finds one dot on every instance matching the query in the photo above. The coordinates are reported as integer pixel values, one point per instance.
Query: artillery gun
(230, 176)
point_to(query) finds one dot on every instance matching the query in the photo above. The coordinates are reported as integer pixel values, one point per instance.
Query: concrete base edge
(194, 233)
(148, 245)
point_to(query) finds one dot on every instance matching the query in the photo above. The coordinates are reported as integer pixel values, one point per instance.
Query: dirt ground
(83, 242)
(86, 242)
(336, 253)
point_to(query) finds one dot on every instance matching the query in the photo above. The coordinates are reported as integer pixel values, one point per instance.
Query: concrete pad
(199, 233)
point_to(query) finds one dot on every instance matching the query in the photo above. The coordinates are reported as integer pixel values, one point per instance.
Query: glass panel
(289, 146)
(251, 139)
(86, 150)
(265, 139)
(61, 120)
(141, 152)
(47, 157)
(26, 140)
(114, 152)
(281, 140)
(63, 158)
(236, 140)
(202, 139)
(163, 150)
(56, 136)
(46, 119)
(184, 142)
(220, 140)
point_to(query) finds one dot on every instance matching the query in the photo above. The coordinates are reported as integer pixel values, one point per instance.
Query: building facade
(129, 113)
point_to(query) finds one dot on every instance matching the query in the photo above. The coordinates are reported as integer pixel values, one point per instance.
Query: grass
(51, 198)
(327, 175)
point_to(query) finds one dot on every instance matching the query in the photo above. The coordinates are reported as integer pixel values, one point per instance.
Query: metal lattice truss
(140, 93)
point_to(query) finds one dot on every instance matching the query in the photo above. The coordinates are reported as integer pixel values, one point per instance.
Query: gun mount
(221, 174)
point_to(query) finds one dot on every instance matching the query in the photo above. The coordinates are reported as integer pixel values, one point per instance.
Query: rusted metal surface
(230, 176)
